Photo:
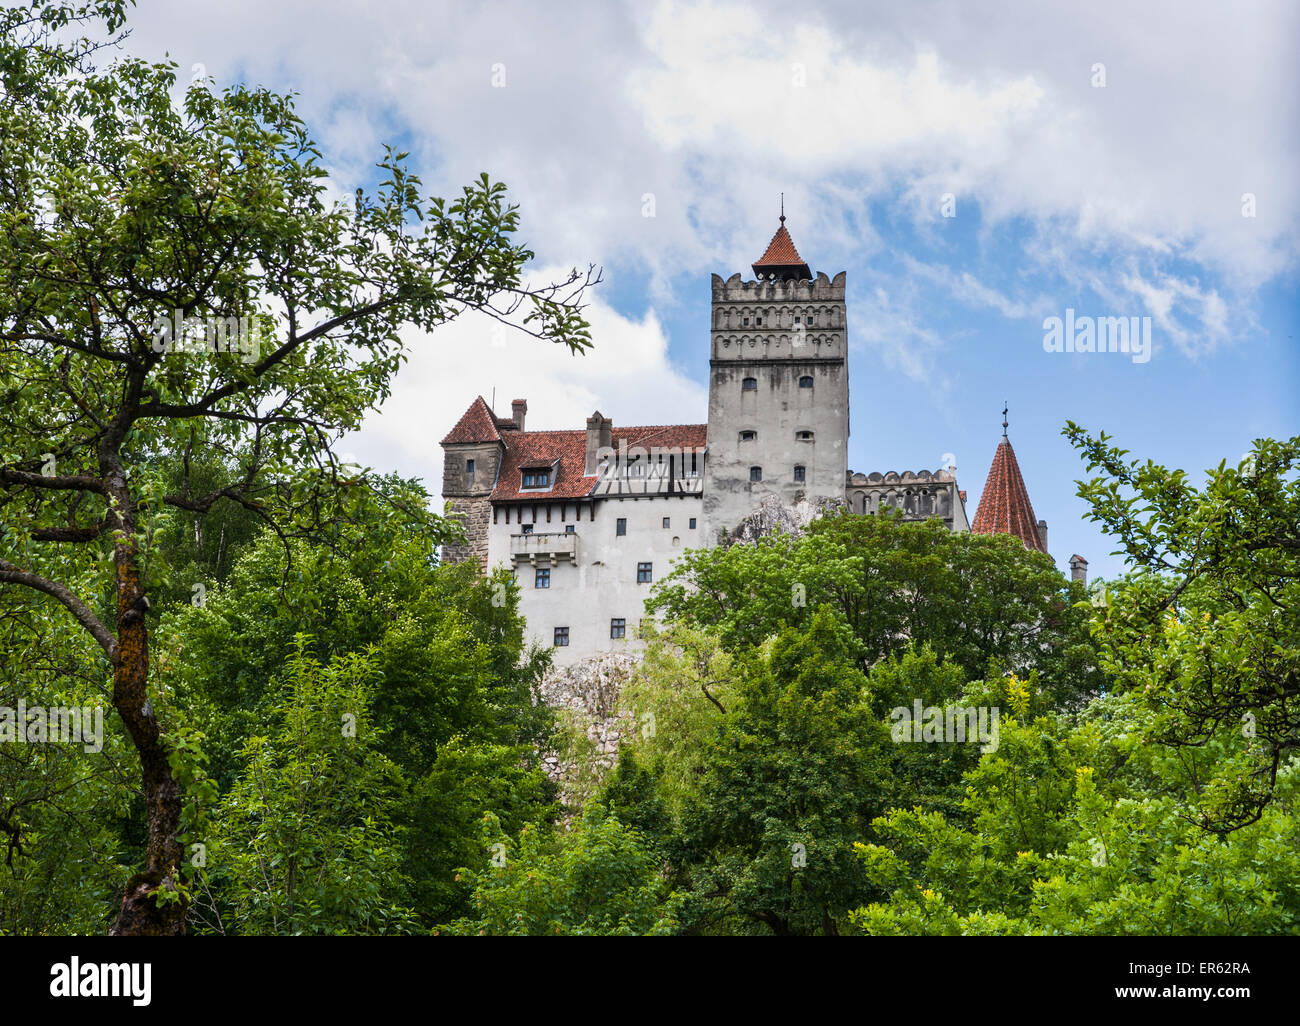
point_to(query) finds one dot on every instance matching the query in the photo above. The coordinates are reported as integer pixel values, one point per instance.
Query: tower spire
(1004, 504)
(782, 261)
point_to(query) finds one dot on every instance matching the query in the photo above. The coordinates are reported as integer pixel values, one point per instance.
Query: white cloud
(626, 375)
(696, 103)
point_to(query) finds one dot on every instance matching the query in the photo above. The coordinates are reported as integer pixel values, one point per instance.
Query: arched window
(756, 473)
(806, 381)
(800, 475)
(803, 436)
(748, 436)
(749, 385)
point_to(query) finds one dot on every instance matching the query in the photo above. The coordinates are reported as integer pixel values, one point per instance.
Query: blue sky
(1099, 158)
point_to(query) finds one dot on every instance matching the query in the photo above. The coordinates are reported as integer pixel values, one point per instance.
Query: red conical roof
(479, 424)
(1004, 504)
(781, 258)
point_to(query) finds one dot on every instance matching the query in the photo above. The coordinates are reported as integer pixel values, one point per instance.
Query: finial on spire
(783, 208)
(1004, 420)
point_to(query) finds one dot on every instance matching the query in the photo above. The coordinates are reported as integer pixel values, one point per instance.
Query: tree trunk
(142, 913)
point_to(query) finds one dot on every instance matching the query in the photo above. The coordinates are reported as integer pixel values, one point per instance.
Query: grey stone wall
(468, 496)
(916, 495)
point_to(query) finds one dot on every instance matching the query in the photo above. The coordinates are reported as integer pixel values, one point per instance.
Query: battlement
(735, 290)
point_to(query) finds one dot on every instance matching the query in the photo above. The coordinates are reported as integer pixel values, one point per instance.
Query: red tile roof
(1004, 504)
(781, 255)
(477, 425)
(567, 452)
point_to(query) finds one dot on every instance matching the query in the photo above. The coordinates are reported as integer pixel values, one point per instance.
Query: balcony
(543, 548)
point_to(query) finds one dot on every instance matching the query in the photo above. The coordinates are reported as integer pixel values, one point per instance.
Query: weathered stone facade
(475, 515)
(778, 395)
(917, 496)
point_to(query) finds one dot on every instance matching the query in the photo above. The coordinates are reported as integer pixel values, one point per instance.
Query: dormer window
(538, 477)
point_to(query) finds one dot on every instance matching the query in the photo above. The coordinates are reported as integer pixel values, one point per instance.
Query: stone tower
(778, 388)
(472, 454)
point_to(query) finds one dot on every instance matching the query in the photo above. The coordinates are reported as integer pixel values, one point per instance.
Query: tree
(1207, 629)
(598, 880)
(457, 711)
(982, 601)
(792, 779)
(175, 281)
(306, 841)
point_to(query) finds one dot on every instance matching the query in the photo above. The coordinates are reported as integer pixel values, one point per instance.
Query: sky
(975, 168)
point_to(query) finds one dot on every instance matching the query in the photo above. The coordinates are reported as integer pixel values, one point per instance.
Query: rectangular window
(469, 468)
(692, 523)
(618, 628)
(526, 528)
(542, 579)
(570, 529)
(620, 528)
(799, 475)
(756, 473)
(667, 521)
(537, 478)
(561, 637)
(644, 574)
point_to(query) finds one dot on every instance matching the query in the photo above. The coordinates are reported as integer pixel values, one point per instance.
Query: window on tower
(800, 475)
(748, 436)
(749, 385)
(756, 473)
(806, 381)
(803, 436)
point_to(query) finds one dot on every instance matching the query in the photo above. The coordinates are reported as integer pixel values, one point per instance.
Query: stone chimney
(1079, 569)
(520, 408)
(1042, 533)
(600, 435)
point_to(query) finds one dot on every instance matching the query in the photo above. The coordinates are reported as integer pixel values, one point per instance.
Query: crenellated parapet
(781, 319)
(915, 495)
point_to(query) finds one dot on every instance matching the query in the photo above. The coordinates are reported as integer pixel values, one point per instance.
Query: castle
(588, 520)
